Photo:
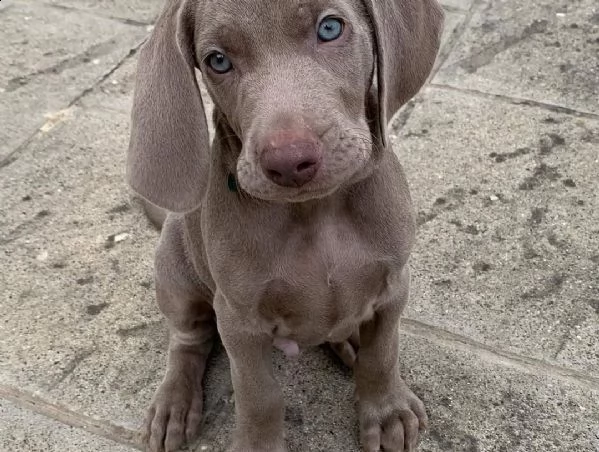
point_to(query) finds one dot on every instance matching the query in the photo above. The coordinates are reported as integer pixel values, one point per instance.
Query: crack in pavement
(13, 155)
(485, 56)
(403, 115)
(73, 364)
(456, 35)
(104, 77)
(84, 57)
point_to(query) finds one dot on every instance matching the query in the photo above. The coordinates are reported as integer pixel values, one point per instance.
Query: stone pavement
(501, 339)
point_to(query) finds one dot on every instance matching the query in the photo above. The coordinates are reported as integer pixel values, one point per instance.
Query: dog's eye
(219, 63)
(330, 28)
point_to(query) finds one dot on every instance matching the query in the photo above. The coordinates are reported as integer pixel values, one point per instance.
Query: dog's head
(306, 88)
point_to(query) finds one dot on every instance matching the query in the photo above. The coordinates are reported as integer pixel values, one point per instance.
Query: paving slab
(48, 57)
(452, 28)
(545, 50)
(23, 431)
(463, 5)
(508, 243)
(78, 300)
(476, 405)
(134, 11)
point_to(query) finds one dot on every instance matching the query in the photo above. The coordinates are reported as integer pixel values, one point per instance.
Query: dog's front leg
(391, 415)
(176, 412)
(259, 406)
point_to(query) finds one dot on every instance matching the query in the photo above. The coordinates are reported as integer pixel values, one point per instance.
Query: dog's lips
(303, 194)
(307, 195)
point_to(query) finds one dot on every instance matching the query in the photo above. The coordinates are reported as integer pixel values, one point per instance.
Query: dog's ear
(169, 142)
(407, 37)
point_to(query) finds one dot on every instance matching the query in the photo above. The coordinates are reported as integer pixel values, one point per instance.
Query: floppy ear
(407, 37)
(169, 135)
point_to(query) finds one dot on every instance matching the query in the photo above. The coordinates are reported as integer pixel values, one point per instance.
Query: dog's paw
(392, 420)
(174, 417)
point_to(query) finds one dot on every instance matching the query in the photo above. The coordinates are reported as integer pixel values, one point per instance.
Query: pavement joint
(87, 55)
(517, 100)
(454, 9)
(123, 20)
(456, 35)
(404, 114)
(107, 74)
(13, 155)
(67, 416)
(498, 356)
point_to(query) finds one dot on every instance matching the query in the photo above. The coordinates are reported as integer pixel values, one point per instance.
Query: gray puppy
(296, 227)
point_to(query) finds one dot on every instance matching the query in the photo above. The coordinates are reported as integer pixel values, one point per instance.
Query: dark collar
(232, 183)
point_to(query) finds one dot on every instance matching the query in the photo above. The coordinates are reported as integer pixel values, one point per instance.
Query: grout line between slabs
(451, 43)
(498, 356)
(123, 20)
(66, 416)
(517, 100)
(107, 74)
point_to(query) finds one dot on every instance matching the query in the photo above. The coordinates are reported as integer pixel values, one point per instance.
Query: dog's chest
(310, 275)
(331, 255)
(326, 281)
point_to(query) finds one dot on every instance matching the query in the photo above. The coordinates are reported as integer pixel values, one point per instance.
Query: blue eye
(330, 28)
(219, 63)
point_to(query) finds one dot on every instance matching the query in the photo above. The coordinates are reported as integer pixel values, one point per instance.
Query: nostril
(274, 174)
(305, 166)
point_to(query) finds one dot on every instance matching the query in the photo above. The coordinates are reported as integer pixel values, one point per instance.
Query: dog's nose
(291, 163)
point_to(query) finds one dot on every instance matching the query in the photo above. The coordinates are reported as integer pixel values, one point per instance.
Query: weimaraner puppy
(295, 227)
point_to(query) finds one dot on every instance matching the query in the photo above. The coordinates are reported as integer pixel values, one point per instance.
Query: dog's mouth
(268, 191)
(304, 194)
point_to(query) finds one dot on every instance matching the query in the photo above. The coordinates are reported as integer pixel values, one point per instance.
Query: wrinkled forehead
(245, 23)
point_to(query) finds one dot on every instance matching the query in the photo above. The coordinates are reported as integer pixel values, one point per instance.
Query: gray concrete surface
(502, 153)
(32, 432)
